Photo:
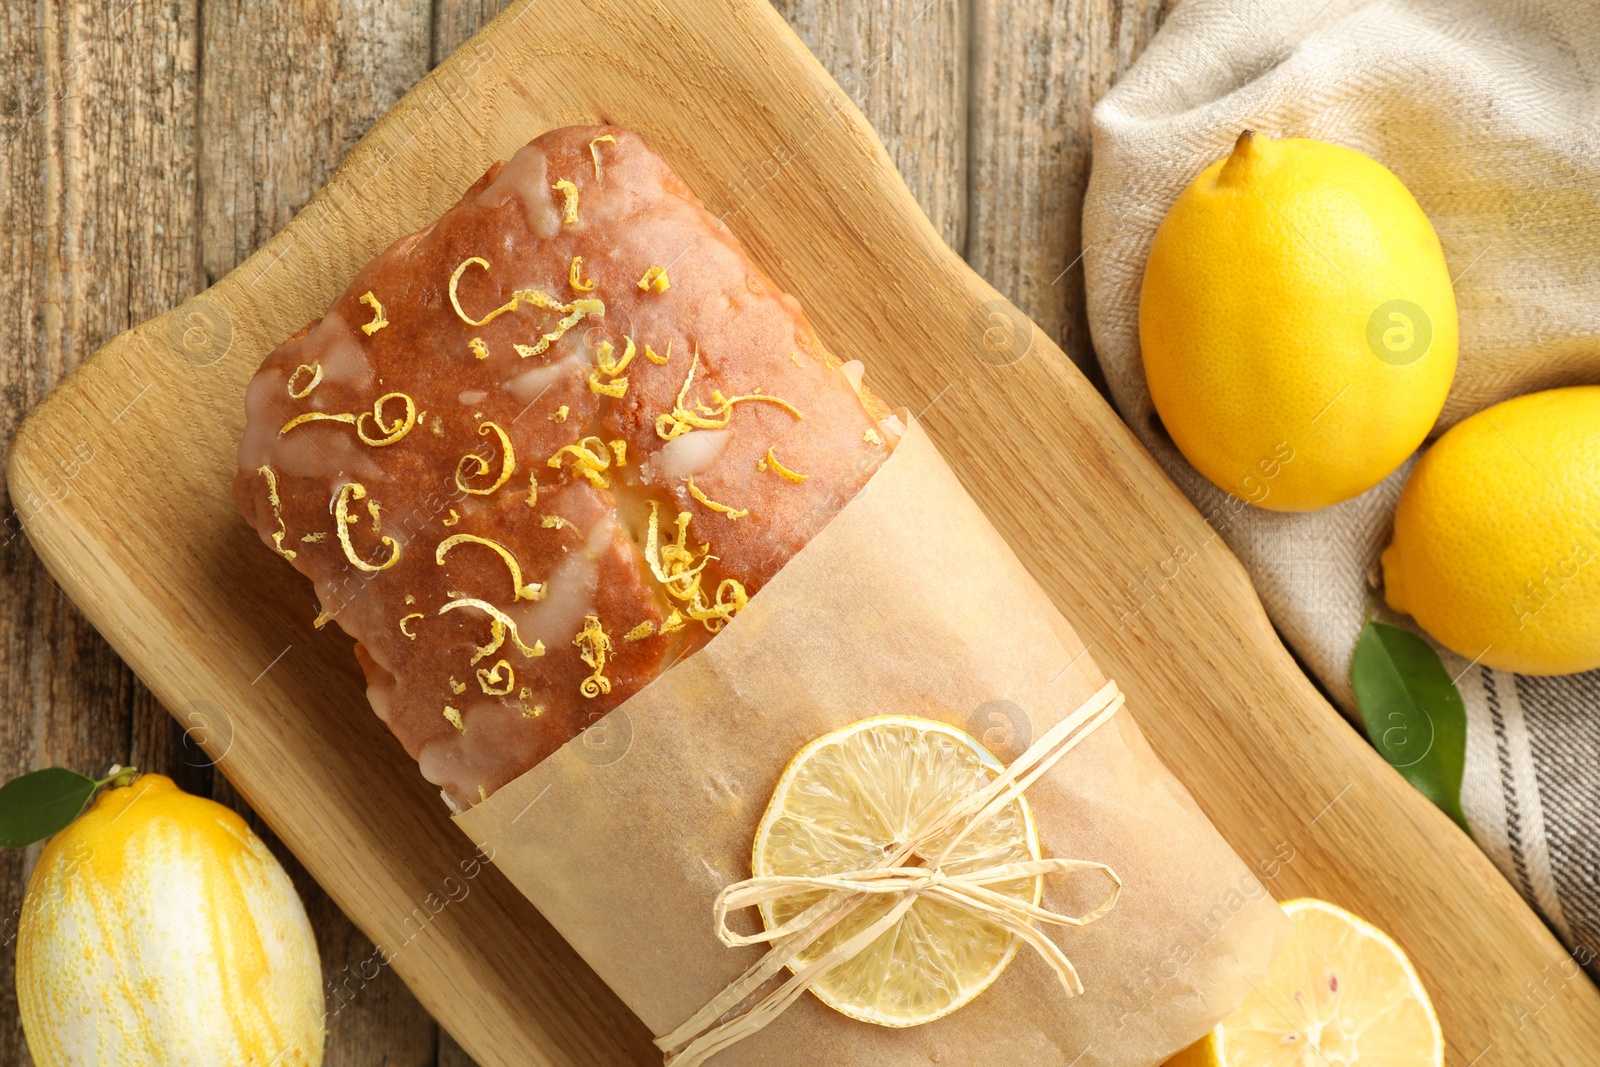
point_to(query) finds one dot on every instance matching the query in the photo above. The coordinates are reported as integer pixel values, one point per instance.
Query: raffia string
(706, 1033)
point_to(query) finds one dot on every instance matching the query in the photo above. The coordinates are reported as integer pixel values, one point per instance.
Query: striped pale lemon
(843, 803)
(1339, 994)
(1297, 323)
(158, 931)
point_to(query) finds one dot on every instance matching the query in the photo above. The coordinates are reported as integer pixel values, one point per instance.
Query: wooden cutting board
(122, 479)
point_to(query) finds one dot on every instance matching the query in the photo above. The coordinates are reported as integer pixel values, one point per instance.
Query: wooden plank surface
(904, 64)
(1037, 70)
(984, 107)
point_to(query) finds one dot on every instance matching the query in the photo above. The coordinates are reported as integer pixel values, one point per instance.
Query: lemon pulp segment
(1340, 993)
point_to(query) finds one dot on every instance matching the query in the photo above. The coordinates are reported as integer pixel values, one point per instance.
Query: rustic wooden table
(150, 147)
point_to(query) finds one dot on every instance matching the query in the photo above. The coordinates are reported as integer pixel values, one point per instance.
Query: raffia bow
(706, 1032)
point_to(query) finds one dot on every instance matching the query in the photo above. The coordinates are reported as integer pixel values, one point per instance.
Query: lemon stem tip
(1244, 157)
(119, 776)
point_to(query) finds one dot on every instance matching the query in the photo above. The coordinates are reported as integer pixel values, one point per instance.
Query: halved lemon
(1339, 993)
(852, 797)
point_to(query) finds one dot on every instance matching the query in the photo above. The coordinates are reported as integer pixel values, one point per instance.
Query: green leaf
(40, 804)
(1413, 712)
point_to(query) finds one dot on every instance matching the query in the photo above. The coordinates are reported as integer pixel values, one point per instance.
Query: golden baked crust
(374, 454)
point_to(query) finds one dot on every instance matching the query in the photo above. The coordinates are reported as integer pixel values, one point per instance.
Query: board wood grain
(146, 542)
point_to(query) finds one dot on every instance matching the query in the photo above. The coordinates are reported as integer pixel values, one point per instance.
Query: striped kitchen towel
(1489, 111)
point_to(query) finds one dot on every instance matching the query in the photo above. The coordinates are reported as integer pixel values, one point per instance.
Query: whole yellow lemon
(1297, 323)
(1496, 548)
(158, 930)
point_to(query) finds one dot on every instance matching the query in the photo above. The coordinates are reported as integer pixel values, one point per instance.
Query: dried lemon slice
(1339, 992)
(847, 800)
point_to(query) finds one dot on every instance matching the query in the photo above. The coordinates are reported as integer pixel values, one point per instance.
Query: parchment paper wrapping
(907, 602)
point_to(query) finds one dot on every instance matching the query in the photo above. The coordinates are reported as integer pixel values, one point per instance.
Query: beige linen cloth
(1489, 111)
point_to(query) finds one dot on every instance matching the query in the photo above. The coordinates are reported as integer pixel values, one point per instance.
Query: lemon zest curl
(277, 513)
(508, 462)
(455, 298)
(378, 321)
(578, 309)
(316, 379)
(575, 276)
(679, 570)
(682, 419)
(569, 196)
(574, 311)
(729, 600)
(594, 151)
(771, 463)
(611, 368)
(488, 679)
(617, 388)
(530, 591)
(346, 417)
(502, 625)
(341, 524)
(392, 431)
(731, 512)
(674, 563)
(593, 647)
(588, 460)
